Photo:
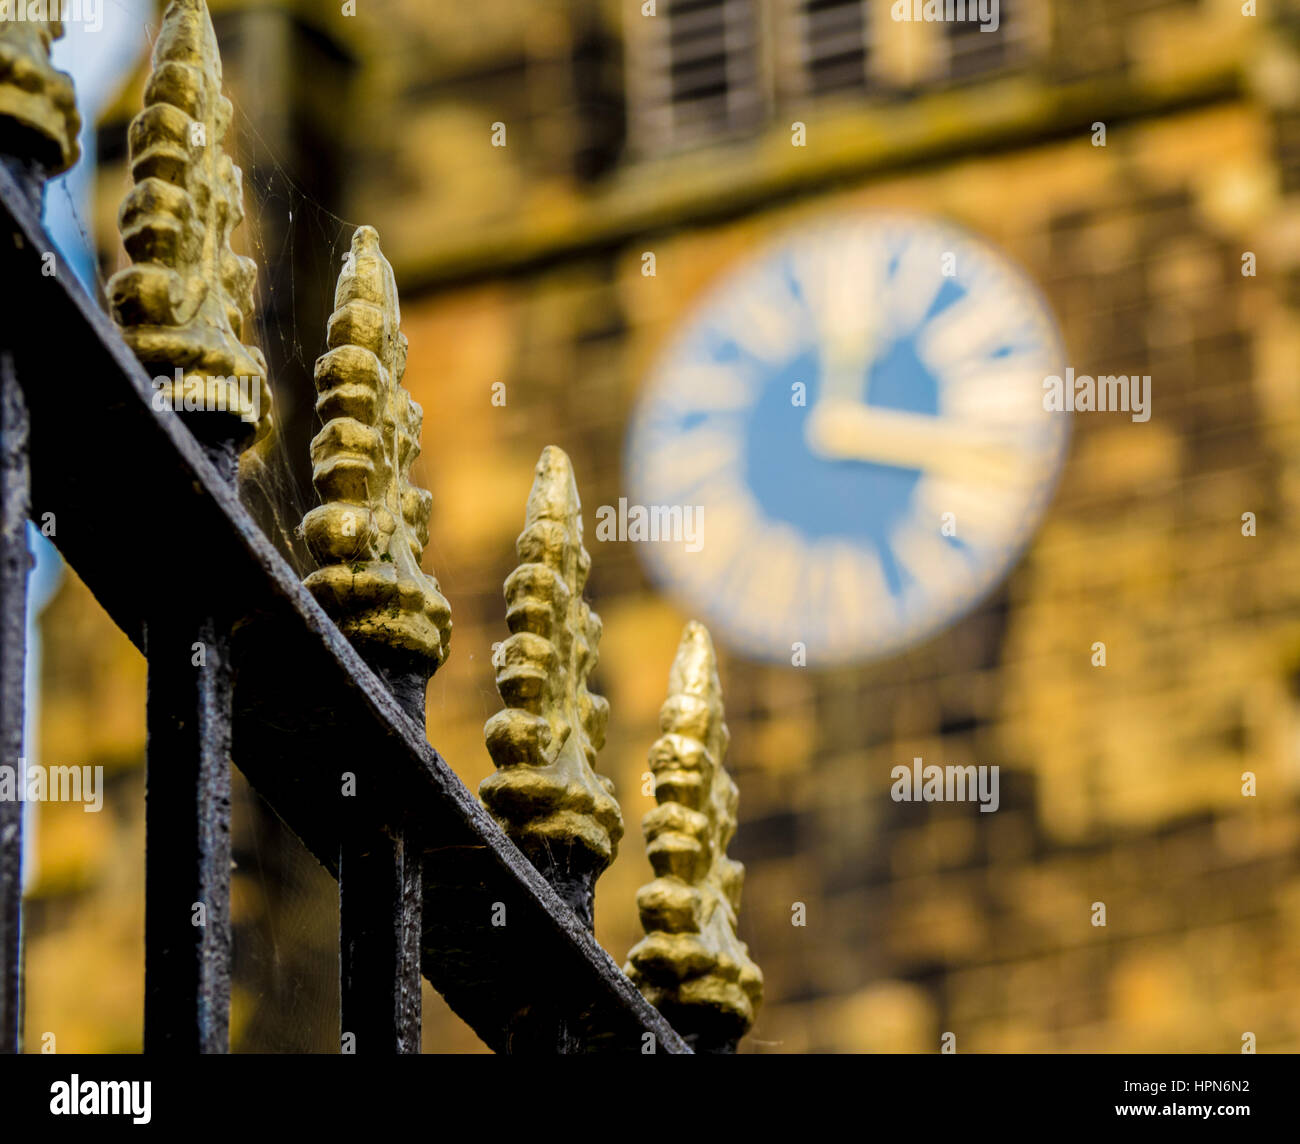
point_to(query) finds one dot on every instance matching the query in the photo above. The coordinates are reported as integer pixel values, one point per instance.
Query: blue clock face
(854, 421)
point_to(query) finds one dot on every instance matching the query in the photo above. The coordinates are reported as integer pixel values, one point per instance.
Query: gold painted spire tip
(187, 299)
(546, 793)
(370, 530)
(38, 104)
(691, 965)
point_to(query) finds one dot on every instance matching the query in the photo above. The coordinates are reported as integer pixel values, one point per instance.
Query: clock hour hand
(851, 431)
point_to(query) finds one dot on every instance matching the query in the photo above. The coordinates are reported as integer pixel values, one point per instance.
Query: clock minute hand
(845, 359)
(850, 430)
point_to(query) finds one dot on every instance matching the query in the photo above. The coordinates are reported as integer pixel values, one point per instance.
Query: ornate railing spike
(691, 965)
(370, 531)
(38, 106)
(546, 793)
(183, 305)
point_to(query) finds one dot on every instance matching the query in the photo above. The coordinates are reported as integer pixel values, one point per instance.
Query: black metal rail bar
(15, 563)
(381, 888)
(380, 891)
(187, 838)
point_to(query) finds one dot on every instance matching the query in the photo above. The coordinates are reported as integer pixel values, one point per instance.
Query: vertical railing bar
(15, 564)
(195, 352)
(369, 539)
(39, 125)
(187, 837)
(381, 890)
(568, 824)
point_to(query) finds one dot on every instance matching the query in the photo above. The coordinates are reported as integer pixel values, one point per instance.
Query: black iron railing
(316, 690)
(82, 441)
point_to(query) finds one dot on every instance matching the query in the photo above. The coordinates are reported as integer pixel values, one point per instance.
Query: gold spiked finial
(691, 965)
(38, 106)
(183, 305)
(370, 532)
(546, 794)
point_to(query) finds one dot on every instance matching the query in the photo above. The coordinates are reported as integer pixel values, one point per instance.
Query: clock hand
(844, 370)
(846, 332)
(849, 430)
